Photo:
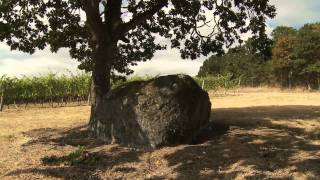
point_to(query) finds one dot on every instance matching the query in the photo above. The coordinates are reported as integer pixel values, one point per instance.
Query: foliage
(47, 88)
(213, 83)
(283, 31)
(52, 88)
(242, 62)
(282, 54)
(307, 54)
(131, 25)
(294, 61)
(296, 56)
(109, 36)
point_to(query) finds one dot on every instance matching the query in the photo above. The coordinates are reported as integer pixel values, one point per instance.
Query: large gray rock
(168, 110)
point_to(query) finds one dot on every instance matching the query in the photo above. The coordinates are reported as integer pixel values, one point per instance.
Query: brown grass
(261, 134)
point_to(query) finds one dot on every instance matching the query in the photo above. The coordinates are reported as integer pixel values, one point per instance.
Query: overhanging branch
(141, 17)
(91, 8)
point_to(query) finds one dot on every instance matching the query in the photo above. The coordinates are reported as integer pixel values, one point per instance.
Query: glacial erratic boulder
(164, 111)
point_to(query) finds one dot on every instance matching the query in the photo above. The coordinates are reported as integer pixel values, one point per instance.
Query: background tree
(294, 61)
(109, 35)
(282, 54)
(243, 61)
(295, 56)
(282, 31)
(307, 55)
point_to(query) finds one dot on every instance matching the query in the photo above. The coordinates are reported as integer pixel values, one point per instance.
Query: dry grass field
(259, 134)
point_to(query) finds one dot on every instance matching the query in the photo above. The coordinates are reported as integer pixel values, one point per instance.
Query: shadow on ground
(255, 146)
(77, 136)
(96, 156)
(271, 117)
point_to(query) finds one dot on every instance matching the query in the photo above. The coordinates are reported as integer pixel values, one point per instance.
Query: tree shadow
(269, 116)
(95, 157)
(58, 172)
(76, 136)
(255, 147)
(84, 171)
(266, 113)
(245, 143)
(85, 165)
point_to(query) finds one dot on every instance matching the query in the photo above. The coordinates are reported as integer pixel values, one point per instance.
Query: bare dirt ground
(260, 134)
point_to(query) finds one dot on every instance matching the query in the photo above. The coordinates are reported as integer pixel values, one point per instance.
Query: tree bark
(102, 61)
(101, 85)
(103, 41)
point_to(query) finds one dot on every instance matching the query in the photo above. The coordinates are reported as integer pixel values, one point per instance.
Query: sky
(294, 13)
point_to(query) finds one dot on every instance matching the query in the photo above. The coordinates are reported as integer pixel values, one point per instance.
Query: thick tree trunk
(101, 85)
(104, 37)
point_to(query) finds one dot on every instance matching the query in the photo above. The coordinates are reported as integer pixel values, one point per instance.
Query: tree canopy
(108, 36)
(243, 61)
(80, 25)
(294, 60)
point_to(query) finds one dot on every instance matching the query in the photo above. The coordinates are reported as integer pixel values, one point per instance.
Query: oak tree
(282, 54)
(307, 55)
(107, 36)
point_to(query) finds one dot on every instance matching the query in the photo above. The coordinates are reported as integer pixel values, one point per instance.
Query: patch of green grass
(79, 157)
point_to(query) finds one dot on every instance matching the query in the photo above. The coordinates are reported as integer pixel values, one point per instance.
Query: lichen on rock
(164, 111)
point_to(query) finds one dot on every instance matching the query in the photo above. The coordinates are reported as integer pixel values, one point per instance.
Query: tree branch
(141, 17)
(91, 8)
(113, 15)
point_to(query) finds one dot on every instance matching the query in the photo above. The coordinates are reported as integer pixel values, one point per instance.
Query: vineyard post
(51, 101)
(202, 83)
(89, 95)
(225, 86)
(1, 102)
(27, 102)
(89, 98)
(15, 105)
(239, 84)
(318, 81)
(290, 79)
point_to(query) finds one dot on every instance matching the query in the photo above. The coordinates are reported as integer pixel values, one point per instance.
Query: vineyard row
(64, 89)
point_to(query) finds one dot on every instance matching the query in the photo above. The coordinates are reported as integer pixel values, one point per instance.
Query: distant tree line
(290, 59)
